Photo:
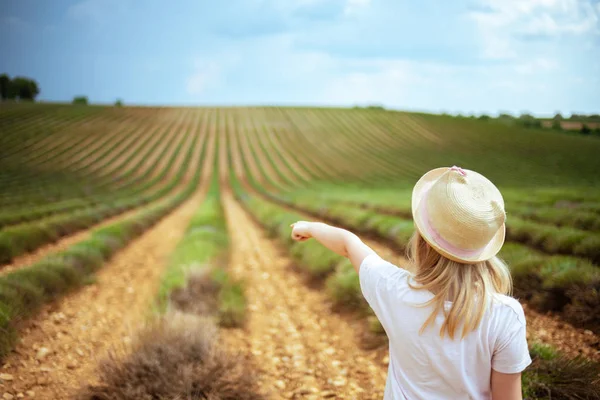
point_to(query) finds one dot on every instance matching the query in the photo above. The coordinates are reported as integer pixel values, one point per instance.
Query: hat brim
(419, 191)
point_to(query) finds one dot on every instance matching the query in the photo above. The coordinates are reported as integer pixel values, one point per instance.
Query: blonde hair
(467, 286)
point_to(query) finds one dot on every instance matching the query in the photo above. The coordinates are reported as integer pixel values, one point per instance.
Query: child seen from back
(454, 331)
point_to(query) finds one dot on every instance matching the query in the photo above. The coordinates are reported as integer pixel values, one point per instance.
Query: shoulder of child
(510, 306)
(374, 264)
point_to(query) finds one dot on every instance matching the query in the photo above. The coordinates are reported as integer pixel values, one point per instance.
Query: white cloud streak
(502, 22)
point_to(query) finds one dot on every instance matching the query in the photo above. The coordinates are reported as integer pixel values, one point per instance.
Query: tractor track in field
(80, 329)
(303, 350)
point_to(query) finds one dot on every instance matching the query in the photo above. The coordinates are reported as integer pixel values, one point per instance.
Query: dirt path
(78, 331)
(303, 349)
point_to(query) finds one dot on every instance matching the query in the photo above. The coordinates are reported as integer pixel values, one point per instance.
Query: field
(122, 229)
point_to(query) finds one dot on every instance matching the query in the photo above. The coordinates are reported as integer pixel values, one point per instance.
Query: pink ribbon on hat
(443, 243)
(459, 170)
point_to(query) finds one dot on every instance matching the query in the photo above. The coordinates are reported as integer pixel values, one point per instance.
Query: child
(454, 332)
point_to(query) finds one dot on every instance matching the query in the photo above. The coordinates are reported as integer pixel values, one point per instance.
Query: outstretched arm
(338, 240)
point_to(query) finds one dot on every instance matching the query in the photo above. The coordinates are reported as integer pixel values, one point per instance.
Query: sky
(459, 56)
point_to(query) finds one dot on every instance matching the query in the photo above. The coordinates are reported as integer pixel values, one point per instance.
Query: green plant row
(29, 179)
(24, 291)
(107, 180)
(102, 187)
(316, 260)
(52, 132)
(194, 274)
(22, 135)
(129, 190)
(20, 239)
(547, 238)
(195, 296)
(578, 209)
(566, 285)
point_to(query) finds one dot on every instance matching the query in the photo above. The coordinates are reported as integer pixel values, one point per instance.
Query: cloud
(14, 23)
(502, 22)
(206, 75)
(538, 65)
(96, 11)
(418, 85)
(355, 6)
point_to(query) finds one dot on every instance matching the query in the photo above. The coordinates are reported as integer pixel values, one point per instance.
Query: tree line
(18, 88)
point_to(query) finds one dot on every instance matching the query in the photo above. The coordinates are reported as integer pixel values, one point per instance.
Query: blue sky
(467, 56)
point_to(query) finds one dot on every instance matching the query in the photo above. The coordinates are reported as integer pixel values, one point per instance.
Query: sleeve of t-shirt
(379, 280)
(511, 354)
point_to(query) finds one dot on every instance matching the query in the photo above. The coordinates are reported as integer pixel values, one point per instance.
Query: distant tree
(556, 125)
(24, 88)
(558, 117)
(585, 130)
(4, 86)
(18, 88)
(484, 117)
(505, 116)
(529, 121)
(119, 103)
(83, 100)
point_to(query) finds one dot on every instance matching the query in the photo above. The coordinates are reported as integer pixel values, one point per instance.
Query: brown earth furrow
(86, 156)
(79, 330)
(62, 244)
(264, 142)
(200, 143)
(250, 158)
(61, 134)
(329, 152)
(294, 137)
(132, 144)
(263, 159)
(81, 144)
(255, 154)
(360, 144)
(294, 166)
(152, 165)
(303, 349)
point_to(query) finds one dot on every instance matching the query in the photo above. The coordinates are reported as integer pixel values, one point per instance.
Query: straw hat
(460, 213)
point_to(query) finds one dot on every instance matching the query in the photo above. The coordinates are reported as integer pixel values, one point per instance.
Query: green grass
(195, 265)
(552, 376)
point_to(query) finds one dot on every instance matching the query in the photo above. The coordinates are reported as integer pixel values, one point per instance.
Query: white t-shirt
(427, 366)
